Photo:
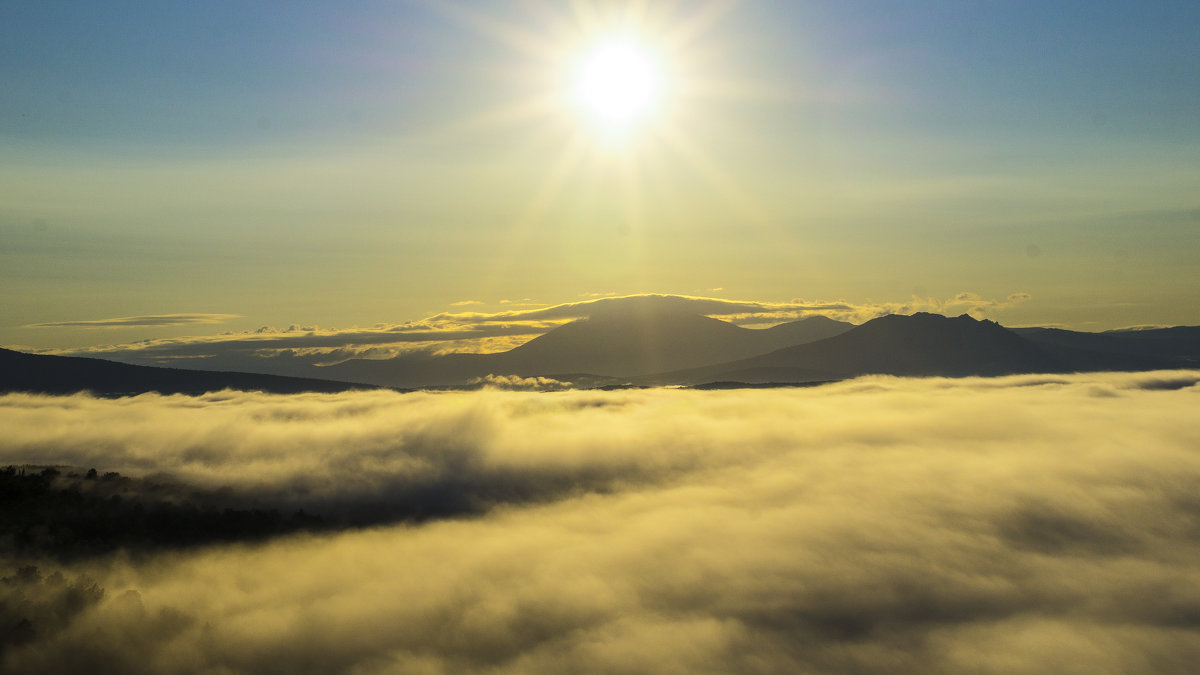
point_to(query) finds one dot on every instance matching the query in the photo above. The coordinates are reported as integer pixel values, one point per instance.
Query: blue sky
(192, 73)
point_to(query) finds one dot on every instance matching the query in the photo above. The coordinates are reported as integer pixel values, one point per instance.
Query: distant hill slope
(44, 374)
(632, 344)
(806, 330)
(1180, 344)
(609, 344)
(918, 345)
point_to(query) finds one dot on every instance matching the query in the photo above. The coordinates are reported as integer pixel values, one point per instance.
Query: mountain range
(673, 348)
(598, 348)
(934, 345)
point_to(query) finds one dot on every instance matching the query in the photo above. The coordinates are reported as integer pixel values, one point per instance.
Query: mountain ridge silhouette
(671, 348)
(47, 374)
(921, 344)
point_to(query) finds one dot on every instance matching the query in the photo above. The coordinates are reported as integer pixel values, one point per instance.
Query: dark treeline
(69, 514)
(48, 513)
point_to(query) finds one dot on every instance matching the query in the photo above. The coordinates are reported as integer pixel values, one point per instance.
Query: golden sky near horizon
(381, 163)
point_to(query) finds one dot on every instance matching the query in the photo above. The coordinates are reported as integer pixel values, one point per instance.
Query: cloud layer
(1021, 524)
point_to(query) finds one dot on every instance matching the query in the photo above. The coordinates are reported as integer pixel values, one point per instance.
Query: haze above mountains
(671, 348)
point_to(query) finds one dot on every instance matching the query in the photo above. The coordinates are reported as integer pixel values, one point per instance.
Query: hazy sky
(277, 163)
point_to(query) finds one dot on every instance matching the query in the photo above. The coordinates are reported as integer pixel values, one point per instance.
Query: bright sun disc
(617, 84)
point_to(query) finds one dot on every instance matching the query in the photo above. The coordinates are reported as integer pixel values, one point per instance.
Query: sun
(617, 83)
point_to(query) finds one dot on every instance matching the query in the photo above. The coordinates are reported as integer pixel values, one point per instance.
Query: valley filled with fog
(1029, 523)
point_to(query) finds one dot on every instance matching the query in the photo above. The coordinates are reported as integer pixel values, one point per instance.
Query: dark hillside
(42, 374)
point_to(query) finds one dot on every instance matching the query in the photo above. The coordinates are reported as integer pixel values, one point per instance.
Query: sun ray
(533, 212)
(530, 42)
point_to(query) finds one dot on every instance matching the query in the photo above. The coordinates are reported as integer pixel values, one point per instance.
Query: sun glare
(617, 84)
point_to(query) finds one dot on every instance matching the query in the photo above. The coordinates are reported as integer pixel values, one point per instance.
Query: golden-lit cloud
(1037, 524)
(300, 346)
(518, 383)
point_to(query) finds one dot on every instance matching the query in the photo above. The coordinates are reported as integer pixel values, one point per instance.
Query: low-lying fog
(1023, 524)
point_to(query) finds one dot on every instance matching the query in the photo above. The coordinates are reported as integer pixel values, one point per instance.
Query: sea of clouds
(1036, 524)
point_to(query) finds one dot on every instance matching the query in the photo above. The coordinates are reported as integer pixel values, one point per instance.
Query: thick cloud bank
(1045, 524)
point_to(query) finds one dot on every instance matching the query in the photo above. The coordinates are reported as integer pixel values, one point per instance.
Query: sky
(173, 171)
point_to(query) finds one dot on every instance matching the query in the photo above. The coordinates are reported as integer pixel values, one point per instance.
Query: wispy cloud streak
(145, 320)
